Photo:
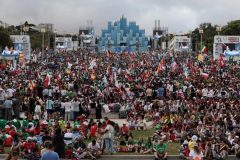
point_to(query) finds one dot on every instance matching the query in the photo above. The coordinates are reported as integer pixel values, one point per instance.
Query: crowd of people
(190, 100)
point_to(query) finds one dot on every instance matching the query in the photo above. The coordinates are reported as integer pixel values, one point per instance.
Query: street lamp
(201, 32)
(26, 29)
(109, 44)
(218, 29)
(190, 42)
(55, 35)
(137, 45)
(43, 30)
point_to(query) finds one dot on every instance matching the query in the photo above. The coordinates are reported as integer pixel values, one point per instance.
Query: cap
(194, 138)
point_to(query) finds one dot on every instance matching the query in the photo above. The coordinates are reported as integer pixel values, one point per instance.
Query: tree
(233, 28)
(5, 39)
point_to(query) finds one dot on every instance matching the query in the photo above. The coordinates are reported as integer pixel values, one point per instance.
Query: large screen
(223, 44)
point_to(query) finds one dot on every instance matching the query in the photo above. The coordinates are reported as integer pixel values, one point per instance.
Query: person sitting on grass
(28, 146)
(94, 149)
(139, 145)
(140, 124)
(184, 150)
(147, 148)
(130, 143)
(124, 130)
(160, 151)
(80, 149)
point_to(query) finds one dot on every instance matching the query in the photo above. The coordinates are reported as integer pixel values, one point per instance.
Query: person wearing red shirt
(93, 130)
(124, 130)
(28, 146)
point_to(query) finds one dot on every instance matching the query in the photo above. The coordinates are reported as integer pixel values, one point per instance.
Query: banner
(22, 43)
(64, 43)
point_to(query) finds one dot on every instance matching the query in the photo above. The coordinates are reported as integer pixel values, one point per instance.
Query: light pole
(218, 29)
(137, 45)
(109, 44)
(25, 30)
(201, 32)
(190, 42)
(55, 35)
(43, 30)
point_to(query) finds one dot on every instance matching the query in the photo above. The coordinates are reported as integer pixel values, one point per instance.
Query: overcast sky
(68, 15)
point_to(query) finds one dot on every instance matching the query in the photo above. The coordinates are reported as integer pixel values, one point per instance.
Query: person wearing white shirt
(211, 93)
(205, 92)
(68, 111)
(148, 106)
(106, 108)
(75, 108)
(10, 92)
(95, 149)
(108, 137)
(196, 153)
(63, 92)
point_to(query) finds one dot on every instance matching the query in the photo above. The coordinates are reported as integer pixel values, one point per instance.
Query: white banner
(22, 43)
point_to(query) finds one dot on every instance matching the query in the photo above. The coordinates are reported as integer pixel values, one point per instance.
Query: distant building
(159, 36)
(86, 36)
(47, 26)
(181, 43)
(123, 36)
(3, 24)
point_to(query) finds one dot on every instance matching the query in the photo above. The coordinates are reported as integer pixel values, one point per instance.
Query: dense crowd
(191, 100)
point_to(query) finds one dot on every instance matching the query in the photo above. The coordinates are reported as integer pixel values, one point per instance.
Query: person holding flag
(161, 66)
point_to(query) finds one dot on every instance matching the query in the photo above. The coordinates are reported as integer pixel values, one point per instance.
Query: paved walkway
(130, 157)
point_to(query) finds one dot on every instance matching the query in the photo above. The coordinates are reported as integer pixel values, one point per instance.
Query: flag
(31, 84)
(105, 81)
(93, 64)
(204, 75)
(200, 57)
(47, 80)
(116, 81)
(69, 65)
(93, 76)
(58, 77)
(221, 61)
(185, 70)
(174, 65)
(161, 66)
(204, 50)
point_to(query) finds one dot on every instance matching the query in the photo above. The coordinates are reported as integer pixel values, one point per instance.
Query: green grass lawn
(172, 147)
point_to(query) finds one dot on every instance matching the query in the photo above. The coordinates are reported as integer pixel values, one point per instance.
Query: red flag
(221, 61)
(204, 50)
(174, 66)
(31, 84)
(161, 66)
(205, 75)
(47, 80)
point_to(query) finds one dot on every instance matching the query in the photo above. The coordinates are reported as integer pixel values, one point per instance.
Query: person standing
(49, 108)
(16, 106)
(50, 154)
(75, 105)
(68, 110)
(108, 137)
(98, 111)
(8, 108)
(58, 142)
(32, 105)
